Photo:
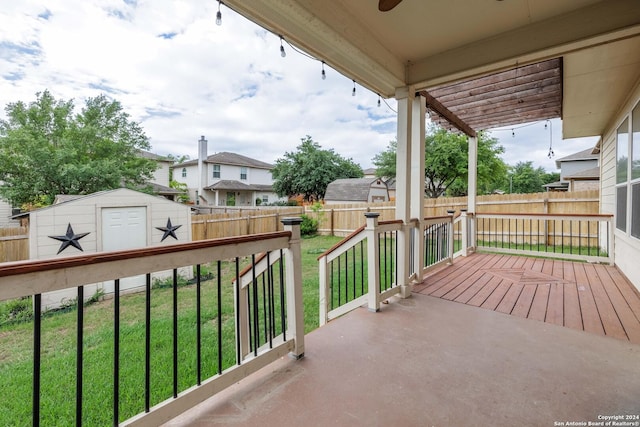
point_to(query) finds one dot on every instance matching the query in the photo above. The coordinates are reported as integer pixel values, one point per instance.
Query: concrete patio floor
(424, 361)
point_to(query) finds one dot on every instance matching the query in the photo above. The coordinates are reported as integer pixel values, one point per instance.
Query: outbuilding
(106, 221)
(356, 190)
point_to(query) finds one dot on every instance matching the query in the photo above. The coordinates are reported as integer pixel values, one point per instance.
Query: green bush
(309, 226)
(15, 311)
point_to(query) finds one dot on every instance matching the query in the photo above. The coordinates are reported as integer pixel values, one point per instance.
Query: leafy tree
(309, 170)
(527, 179)
(446, 163)
(46, 149)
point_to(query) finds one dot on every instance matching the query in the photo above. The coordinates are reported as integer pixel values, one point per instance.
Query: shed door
(124, 228)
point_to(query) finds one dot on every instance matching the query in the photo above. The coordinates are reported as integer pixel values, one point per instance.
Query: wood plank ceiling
(520, 95)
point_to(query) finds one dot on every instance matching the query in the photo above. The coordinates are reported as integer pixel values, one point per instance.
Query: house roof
(557, 184)
(226, 158)
(238, 186)
(579, 156)
(351, 189)
(370, 171)
(152, 156)
(428, 45)
(591, 173)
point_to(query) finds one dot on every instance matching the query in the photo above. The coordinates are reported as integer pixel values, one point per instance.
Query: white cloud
(182, 76)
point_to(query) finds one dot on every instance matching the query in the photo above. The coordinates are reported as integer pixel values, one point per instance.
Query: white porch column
(409, 177)
(419, 112)
(472, 186)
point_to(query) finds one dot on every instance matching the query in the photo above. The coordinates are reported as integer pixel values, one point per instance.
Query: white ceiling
(426, 43)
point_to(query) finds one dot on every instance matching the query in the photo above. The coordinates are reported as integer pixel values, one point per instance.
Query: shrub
(15, 311)
(309, 226)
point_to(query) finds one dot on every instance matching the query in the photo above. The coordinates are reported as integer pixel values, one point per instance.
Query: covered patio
(428, 361)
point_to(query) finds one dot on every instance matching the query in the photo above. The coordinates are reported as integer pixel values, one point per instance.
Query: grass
(59, 348)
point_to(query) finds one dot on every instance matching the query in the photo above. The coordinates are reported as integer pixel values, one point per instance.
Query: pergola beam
(444, 112)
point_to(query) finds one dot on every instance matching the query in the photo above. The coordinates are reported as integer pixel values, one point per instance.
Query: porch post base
(296, 356)
(405, 290)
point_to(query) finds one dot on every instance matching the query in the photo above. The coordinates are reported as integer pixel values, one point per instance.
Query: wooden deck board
(523, 304)
(595, 298)
(625, 315)
(589, 311)
(572, 313)
(608, 315)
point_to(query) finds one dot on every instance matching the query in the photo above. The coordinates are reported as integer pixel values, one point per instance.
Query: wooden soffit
(520, 95)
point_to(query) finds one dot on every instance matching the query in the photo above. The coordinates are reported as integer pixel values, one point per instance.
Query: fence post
(373, 265)
(418, 250)
(241, 299)
(293, 263)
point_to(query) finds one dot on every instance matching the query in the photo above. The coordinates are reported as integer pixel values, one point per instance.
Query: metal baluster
(147, 344)
(79, 353)
(219, 296)
(37, 331)
(116, 352)
(175, 333)
(198, 328)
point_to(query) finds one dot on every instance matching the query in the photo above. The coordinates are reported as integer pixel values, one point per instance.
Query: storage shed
(356, 190)
(106, 221)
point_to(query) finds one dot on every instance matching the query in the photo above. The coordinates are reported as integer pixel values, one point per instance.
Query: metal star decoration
(69, 239)
(169, 230)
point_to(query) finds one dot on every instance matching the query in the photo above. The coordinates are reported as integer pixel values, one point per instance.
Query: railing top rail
(32, 266)
(342, 242)
(430, 218)
(546, 215)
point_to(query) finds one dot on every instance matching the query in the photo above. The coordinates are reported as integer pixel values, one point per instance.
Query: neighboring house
(160, 182)
(226, 179)
(356, 190)
(105, 221)
(369, 173)
(578, 171)
(6, 213)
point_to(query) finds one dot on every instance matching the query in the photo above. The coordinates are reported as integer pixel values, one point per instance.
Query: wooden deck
(590, 297)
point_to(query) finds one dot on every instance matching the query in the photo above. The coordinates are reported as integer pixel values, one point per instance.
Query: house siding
(570, 168)
(627, 248)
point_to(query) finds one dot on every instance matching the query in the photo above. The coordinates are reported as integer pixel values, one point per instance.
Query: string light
(551, 153)
(513, 134)
(378, 100)
(324, 75)
(282, 52)
(219, 14)
(353, 92)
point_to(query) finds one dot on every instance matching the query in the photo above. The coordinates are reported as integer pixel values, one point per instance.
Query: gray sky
(182, 76)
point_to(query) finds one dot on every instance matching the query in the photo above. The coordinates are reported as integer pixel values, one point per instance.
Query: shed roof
(350, 189)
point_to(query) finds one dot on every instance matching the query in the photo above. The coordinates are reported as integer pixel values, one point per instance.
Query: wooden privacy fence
(342, 219)
(230, 224)
(14, 244)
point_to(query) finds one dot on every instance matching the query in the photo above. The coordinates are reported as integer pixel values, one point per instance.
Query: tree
(309, 170)
(446, 163)
(527, 179)
(46, 149)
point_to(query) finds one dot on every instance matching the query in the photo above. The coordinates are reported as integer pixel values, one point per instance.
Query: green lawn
(59, 348)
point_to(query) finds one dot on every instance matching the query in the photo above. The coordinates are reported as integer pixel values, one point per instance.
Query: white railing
(35, 278)
(380, 260)
(574, 237)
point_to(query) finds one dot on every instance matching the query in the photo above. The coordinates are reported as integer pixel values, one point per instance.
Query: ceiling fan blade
(387, 5)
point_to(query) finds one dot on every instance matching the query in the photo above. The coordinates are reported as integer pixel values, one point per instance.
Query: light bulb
(324, 75)
(282, 52)
(219, 18)
(353, 92)
(513, 134)
(378, 100)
